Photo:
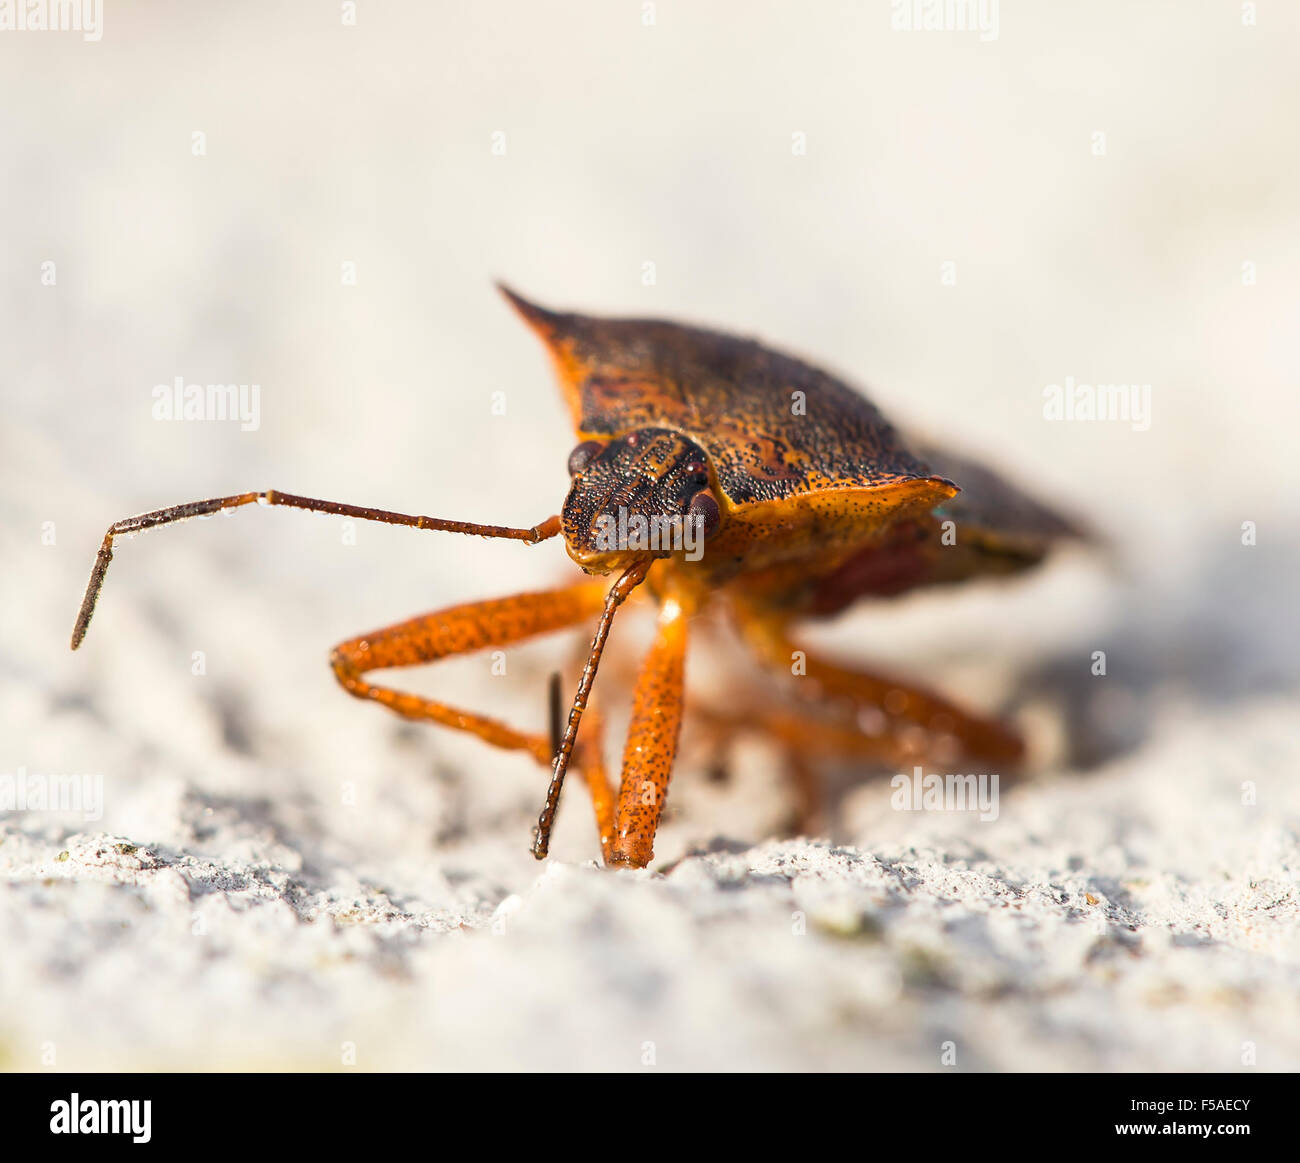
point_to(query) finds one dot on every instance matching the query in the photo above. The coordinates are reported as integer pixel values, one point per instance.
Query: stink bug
(708, 468)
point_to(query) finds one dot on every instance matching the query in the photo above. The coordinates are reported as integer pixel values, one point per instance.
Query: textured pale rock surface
(1136, 917)
(280, 873)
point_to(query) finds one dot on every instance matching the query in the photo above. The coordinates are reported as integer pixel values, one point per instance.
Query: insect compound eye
(704, 510)
(583, 455)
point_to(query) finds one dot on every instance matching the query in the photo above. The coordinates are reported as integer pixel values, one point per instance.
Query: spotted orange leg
(651, 740)
(614, 598)
(979, 738)
(804, 739)
(467, 628)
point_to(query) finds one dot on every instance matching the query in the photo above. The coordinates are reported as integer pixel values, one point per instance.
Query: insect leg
(803, 739)
(617, 594)
(462, 630)
(810, 795)
(548, 528)
(651, 741)
(591, 755)
(979, 738)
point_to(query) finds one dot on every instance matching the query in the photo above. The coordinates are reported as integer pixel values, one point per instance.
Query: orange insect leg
(651, 741)
(980, 738)
(592, 766)
(804, 739)
(462, 630)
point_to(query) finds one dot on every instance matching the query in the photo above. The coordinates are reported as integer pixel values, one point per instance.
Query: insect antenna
(632, 577)
(555, 696)
(548, 528)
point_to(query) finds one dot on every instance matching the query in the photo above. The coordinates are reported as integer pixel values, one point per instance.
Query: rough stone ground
(1088, 931)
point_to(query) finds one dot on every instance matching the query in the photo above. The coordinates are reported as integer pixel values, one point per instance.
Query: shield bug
(708, 469)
